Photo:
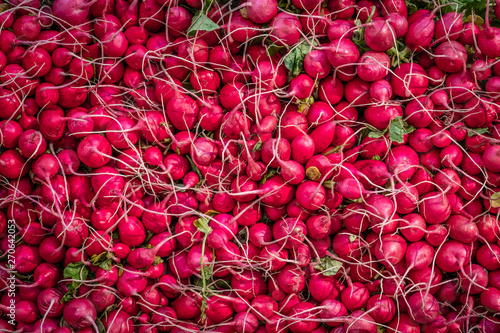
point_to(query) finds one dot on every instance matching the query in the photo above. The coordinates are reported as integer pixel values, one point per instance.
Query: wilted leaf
(495, 200)
(328, 266)
(202, 225)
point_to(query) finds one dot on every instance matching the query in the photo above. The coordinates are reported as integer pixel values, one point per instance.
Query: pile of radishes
(249, 166)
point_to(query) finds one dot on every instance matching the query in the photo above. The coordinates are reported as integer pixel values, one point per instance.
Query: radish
(137, 135)
(450, 25)
(285, 29)
(450, 56)
(316, 64)
(72, 13)
(379, 35)
(487, 40)
(373, 66)
(424, 308)
(339, 29)
(489, 299)
(409, 80)
(390, 249)
(342, 52)
(301, 311)
(402, 161)
(398, 22)
(420, 29)
(474, 279)
(461, 85)
(383, 308)
(403, 323)
(80, 313)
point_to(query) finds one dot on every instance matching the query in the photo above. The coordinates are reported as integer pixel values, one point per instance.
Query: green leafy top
(495, 200)
(476, 131)
(195, 168)
(397, 129)
(294, 60)
(102, 260)
(75, 271)
(258, 145)
(469, 6)
(268, 175)
(202, 225)
(459, 6)
(203, 23)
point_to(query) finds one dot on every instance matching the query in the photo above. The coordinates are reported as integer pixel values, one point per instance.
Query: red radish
(424, 308)
(450, 56)
(379, 35)
(409, 80)
(285, 29)
(450, 25)
(420, 30)
(373, 66)
(80, 313)
(488, 40)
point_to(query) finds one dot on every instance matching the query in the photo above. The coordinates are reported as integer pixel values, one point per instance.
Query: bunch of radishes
(249, 166)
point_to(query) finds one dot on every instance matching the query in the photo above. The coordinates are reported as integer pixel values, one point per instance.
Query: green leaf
(396, 131)
(202, 225)
(258, 145)
(76, 271)
(328, 266)
(194, 168)
(202, 23)
(102, 260)
(411, 6)
(268, 175)
(273, 49)
(476, 131)
(198, 282)
(352, 238)
(398, 128)
(495, 200)
(100, 326)
(157, 261)
(207, 4)
(222, 284)
(294, 60)
(68, 296)
(333, 150)
(208, 271)
(107, 265)
(376, 135)
(495, 23)
(469, 6)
